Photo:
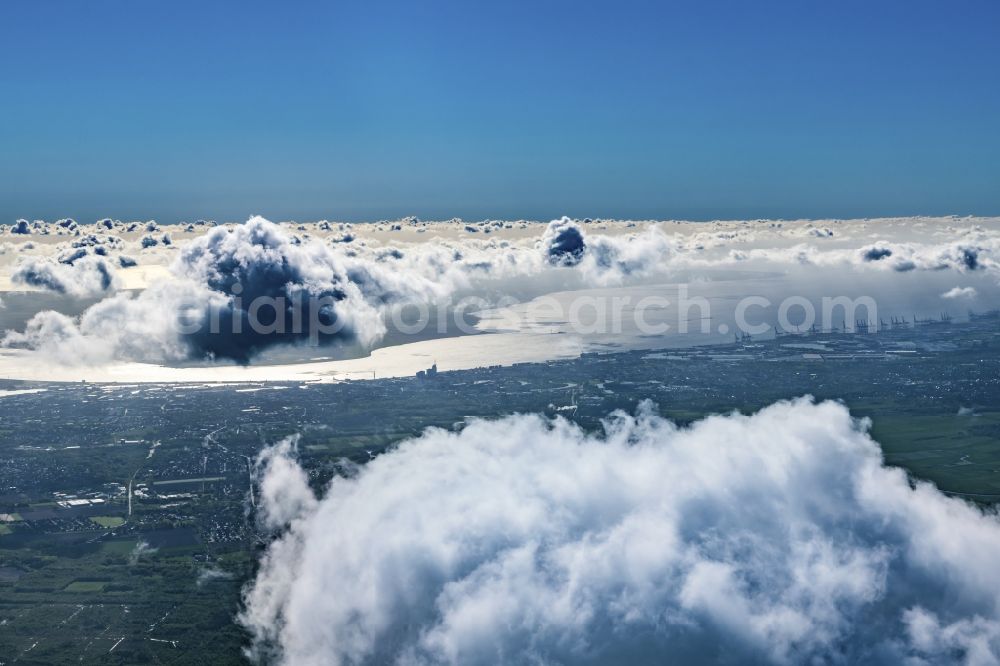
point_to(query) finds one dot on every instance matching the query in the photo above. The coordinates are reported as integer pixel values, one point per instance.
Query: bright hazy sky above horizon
(307, 110)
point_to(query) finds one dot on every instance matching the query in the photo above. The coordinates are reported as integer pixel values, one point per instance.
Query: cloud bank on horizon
(337, 284)
(526, 540)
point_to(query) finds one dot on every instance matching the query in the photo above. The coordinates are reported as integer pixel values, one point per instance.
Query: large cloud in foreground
(774, 538)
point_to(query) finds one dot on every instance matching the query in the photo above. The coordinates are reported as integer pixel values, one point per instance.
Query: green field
(959, 453)
(108, 521)
(123, 547)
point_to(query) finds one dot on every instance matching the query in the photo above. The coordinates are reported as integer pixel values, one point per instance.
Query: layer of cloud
(348, 291)
(238, 290)
(779, 537)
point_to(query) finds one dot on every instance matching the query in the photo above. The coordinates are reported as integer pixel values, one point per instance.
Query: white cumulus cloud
(80, 275)
(960, 292)
(779, 537)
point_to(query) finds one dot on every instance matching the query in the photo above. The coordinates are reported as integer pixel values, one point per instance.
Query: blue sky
(179, 110)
